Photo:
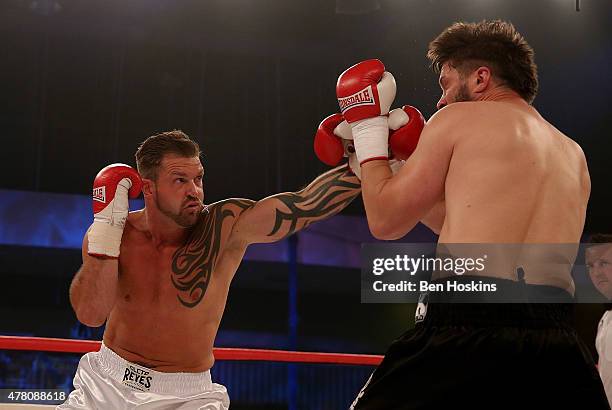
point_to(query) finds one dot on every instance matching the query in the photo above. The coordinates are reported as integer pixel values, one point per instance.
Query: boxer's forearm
(387, 217)
(278, 216)
(324, 197)
(94, 290)
(331, 192)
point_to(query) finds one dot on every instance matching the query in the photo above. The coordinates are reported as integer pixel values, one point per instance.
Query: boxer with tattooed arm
(159, 277)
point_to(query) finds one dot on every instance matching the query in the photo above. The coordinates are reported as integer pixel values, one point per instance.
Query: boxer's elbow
(381, 235)
(386, 229)
(91, 299)
(384, 211)
(92, 321)
(86, 313)
(90, 318)
(388, 221)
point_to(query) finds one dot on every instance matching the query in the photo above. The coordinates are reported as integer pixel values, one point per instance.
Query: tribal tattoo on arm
(325, 196)
(193, 263)
(271, 219)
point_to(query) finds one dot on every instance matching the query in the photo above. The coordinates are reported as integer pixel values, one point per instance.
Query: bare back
(514, 178)
(170, 301)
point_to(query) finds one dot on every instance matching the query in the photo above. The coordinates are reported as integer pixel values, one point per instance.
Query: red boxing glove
(365, 90)
(327, 145)
(111, 189)
(405, 126)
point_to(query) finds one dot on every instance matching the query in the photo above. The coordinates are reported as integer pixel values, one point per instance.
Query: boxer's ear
(482, 79)
(147, 187)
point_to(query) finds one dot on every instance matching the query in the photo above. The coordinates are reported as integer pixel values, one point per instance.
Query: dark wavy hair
(495, 44)
(152, 150)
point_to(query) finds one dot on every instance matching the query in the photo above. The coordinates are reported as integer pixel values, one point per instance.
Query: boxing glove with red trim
(365, 93)
(327, 144)
(333, 141)
(111, 189)
(405, 127)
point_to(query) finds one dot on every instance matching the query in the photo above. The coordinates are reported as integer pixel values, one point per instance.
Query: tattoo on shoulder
(333, 191)
(193, 263)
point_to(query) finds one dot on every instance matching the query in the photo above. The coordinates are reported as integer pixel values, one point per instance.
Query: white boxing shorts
(104, 380)
(603, 343)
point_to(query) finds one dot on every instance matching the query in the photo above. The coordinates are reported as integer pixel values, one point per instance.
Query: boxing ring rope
(46, 344)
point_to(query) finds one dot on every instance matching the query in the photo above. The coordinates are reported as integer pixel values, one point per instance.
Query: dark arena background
(82, 83)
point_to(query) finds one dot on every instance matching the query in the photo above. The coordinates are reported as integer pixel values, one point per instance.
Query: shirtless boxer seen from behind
(159, 277)
(488, 169)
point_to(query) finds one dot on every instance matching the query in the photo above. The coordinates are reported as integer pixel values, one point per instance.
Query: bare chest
(172, 278)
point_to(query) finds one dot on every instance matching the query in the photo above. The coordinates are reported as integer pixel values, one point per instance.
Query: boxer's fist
(111, 189)
(405, 125)
(328, 145)
(343, 130)
(334, 141)
(365, 90)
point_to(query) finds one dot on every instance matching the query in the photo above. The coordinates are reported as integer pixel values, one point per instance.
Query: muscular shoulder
(448, 124)
(136, 220)
(222, 216)
(225, 212)
(230, 207)
(574, 147)
(474, 117)
(570, 146)
(578, 154)
(449, 114)
(217, 221)
(135, 231)
(455, 117)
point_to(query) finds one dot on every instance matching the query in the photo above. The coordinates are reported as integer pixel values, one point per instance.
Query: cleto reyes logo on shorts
(137, 378)
(363, 97)
(99, 194)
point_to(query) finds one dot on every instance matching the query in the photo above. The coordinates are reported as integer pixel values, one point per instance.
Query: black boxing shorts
(488, 356)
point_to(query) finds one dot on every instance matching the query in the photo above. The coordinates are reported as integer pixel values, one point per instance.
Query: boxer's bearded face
(599, 264)
(179, 191)
(454, 87)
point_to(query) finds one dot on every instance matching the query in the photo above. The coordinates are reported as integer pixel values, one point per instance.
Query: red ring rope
(47, 344)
